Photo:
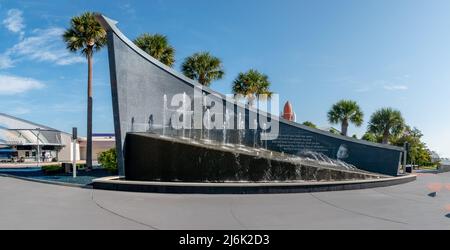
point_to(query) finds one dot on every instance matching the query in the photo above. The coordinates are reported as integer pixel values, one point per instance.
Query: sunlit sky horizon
(380, 53)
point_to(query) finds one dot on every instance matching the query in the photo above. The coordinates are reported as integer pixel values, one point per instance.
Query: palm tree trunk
(344, 127)
(201, 80)
(89, 116)
(386, 137)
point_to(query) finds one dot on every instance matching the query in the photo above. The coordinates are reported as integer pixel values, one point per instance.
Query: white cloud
(70, 60)
(5, 62)
(395, 87)
(14, 21)
(20, 111)
(11, 85)
(45, 45)
(380, 84)
(128, 9)
(67, 107)
(363, 89)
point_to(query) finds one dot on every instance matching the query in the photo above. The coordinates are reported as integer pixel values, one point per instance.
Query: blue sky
(378, 52)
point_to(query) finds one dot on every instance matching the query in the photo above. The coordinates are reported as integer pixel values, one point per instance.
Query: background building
(25, 141)
(100, 143)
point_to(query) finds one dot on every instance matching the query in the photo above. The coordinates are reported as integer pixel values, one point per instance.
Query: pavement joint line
(356, 212)
(119, 215)
(235, 216)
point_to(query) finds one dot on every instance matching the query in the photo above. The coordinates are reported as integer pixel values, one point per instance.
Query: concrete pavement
(30, 205)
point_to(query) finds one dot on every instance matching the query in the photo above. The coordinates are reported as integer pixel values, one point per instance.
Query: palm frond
(157, 46)
(203, 67)
(85, 35)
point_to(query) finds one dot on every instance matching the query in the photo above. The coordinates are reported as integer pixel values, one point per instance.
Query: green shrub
(108, 160)
(52, 169)
(81, 166)
(428, 164)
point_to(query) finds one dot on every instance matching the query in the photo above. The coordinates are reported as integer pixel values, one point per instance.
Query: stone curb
(116, 184)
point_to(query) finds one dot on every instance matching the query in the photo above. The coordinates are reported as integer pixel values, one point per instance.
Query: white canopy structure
(25, 141)
(15, 131)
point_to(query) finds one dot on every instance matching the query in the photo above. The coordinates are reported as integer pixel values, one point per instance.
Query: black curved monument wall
(139, 83)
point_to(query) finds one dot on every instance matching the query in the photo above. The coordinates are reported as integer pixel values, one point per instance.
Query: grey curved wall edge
(132, 71)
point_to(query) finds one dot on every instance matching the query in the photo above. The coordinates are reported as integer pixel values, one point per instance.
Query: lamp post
(38, 154)
(74, 150)
(406, 148)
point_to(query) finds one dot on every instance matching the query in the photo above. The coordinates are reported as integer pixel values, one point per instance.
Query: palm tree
(344, 112)
(86, 35)
(370, 137)
(203, 67)
(386, 122)
(309, 124)
(157, 46)
(250, 84)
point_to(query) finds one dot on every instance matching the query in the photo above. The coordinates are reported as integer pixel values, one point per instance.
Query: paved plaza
(31, 205)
